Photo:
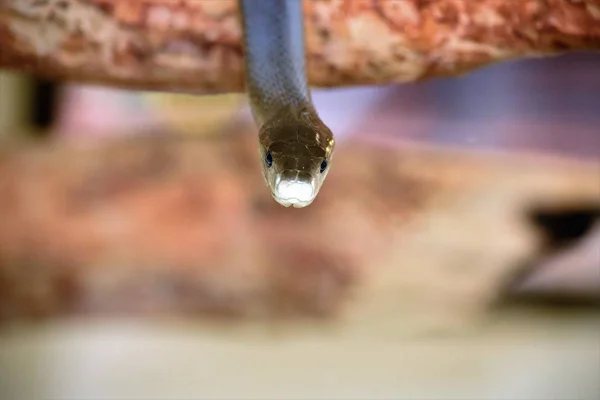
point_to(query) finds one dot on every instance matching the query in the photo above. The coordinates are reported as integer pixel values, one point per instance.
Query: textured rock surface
(163, 226)
(195, 45)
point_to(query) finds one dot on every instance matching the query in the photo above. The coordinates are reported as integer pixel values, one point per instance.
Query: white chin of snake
(295, 193)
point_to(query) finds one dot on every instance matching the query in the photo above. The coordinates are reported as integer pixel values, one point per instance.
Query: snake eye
(269, 159)
(323, 166)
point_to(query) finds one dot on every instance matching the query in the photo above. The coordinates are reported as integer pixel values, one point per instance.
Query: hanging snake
(295, 146)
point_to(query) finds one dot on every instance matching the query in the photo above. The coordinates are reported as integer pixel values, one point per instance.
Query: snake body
(295, 146)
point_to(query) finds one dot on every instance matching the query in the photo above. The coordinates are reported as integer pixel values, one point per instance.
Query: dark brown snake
(295, 146)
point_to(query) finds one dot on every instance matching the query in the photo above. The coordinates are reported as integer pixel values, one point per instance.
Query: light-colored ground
(517, 355)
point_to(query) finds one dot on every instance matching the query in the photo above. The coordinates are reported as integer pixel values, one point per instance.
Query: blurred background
(548, 105)
(545, 106)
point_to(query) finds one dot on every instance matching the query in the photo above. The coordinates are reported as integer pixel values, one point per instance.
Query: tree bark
(194, 46)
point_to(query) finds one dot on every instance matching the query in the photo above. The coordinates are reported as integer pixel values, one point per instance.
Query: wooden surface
(194, 46)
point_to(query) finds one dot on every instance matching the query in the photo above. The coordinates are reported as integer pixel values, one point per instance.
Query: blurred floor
(522, 356)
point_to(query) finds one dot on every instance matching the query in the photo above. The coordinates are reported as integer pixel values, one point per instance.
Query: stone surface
(194, 46)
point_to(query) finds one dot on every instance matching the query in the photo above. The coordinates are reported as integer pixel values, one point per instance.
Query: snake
(295, 146)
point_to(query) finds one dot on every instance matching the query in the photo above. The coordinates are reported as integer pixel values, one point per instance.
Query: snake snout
(295, 188)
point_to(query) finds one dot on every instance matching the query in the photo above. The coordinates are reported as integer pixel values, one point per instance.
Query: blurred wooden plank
(194, 46)
(185, 227)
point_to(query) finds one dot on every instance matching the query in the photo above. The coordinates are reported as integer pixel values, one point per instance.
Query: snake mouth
(296, 203)
(295, 188)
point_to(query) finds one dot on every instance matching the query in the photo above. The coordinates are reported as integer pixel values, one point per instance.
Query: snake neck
(274, 58)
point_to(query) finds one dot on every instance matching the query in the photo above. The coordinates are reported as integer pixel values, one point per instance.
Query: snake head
(295, 159)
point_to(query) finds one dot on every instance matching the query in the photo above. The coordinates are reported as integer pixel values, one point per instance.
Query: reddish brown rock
(195, 45)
